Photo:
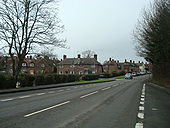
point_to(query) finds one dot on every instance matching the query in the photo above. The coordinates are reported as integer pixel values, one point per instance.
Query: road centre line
(21, 97)
(51, 92)
(60, 90)
(39, 94)
(106, 88)
(47, 109)
(88, 94)
(7, 99)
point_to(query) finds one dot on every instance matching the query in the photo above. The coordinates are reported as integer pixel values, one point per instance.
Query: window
(61, 72)
(42, 65)
(71, 72)
(93, 72)
(24, 64)
(32, 65)
(80, 73)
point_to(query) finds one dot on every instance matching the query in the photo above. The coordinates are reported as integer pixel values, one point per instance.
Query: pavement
(115, 104)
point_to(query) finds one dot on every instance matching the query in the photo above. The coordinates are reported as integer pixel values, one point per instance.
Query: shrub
(90, 77)
(6, 81)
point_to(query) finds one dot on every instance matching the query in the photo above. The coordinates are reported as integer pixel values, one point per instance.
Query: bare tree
(26, 25)
(88, 54)
(153, 38)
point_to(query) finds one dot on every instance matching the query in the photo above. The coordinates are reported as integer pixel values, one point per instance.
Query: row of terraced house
(77, 65)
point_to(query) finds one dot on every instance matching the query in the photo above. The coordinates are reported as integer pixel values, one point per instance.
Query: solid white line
(39, 94)
(89, 94)
(7, 99)
(25, 96)
(141, 108)
(140, 115)
(139, 125)
(47, 109)
(106, 88)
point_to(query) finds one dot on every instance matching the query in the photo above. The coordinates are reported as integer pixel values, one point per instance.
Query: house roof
(79, 61)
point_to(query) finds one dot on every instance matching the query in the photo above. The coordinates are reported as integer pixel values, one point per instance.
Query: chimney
(95, 56)
(64, 57)
(133, 61)
(130, 61)
(79, 56)
(125, 60)
(117, 61)
(110, 59)
(139, 62)
(30, 57)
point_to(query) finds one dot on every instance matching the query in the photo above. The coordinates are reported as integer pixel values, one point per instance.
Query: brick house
(79, 65)
(112, 66)
(33, 66)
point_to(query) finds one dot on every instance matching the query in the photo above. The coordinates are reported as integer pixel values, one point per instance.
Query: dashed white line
(75, 87)
(39, 94)
(106, 88)
(142, 99)
(7, 99)
(60, 90)
(47, 109)
(139, 125)
(141, 102)
(140, 115)
(88, 94)
(51, 92)
(141, 108)
(21, 97)
(68, 89)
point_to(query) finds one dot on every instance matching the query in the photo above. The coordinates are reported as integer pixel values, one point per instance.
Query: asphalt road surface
(103, 105)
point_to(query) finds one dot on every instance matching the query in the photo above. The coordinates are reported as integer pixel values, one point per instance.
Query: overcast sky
(103, 26)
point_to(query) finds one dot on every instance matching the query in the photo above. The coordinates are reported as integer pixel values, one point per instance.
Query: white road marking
(141, 102)
(51, 92)
(89, 94)
(39, 94)
(21, 97)
(7, 99)
(141, 108)
(68, 89)
(60, 90)
(115, 85)
(142, 99)
(106, 88)
(142, 96)
(154, 109)
(140, 115)
(139, 125)
(47, 109)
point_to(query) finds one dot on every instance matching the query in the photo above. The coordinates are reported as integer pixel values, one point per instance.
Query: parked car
(128, 76)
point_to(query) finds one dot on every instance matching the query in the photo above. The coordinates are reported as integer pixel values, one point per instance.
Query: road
(103, 105)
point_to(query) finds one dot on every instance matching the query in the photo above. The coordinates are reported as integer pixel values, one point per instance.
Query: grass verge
(96, 81)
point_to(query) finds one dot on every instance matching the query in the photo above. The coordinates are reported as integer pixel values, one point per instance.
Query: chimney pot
(64, 57)
(79, 56)
(95, 56)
